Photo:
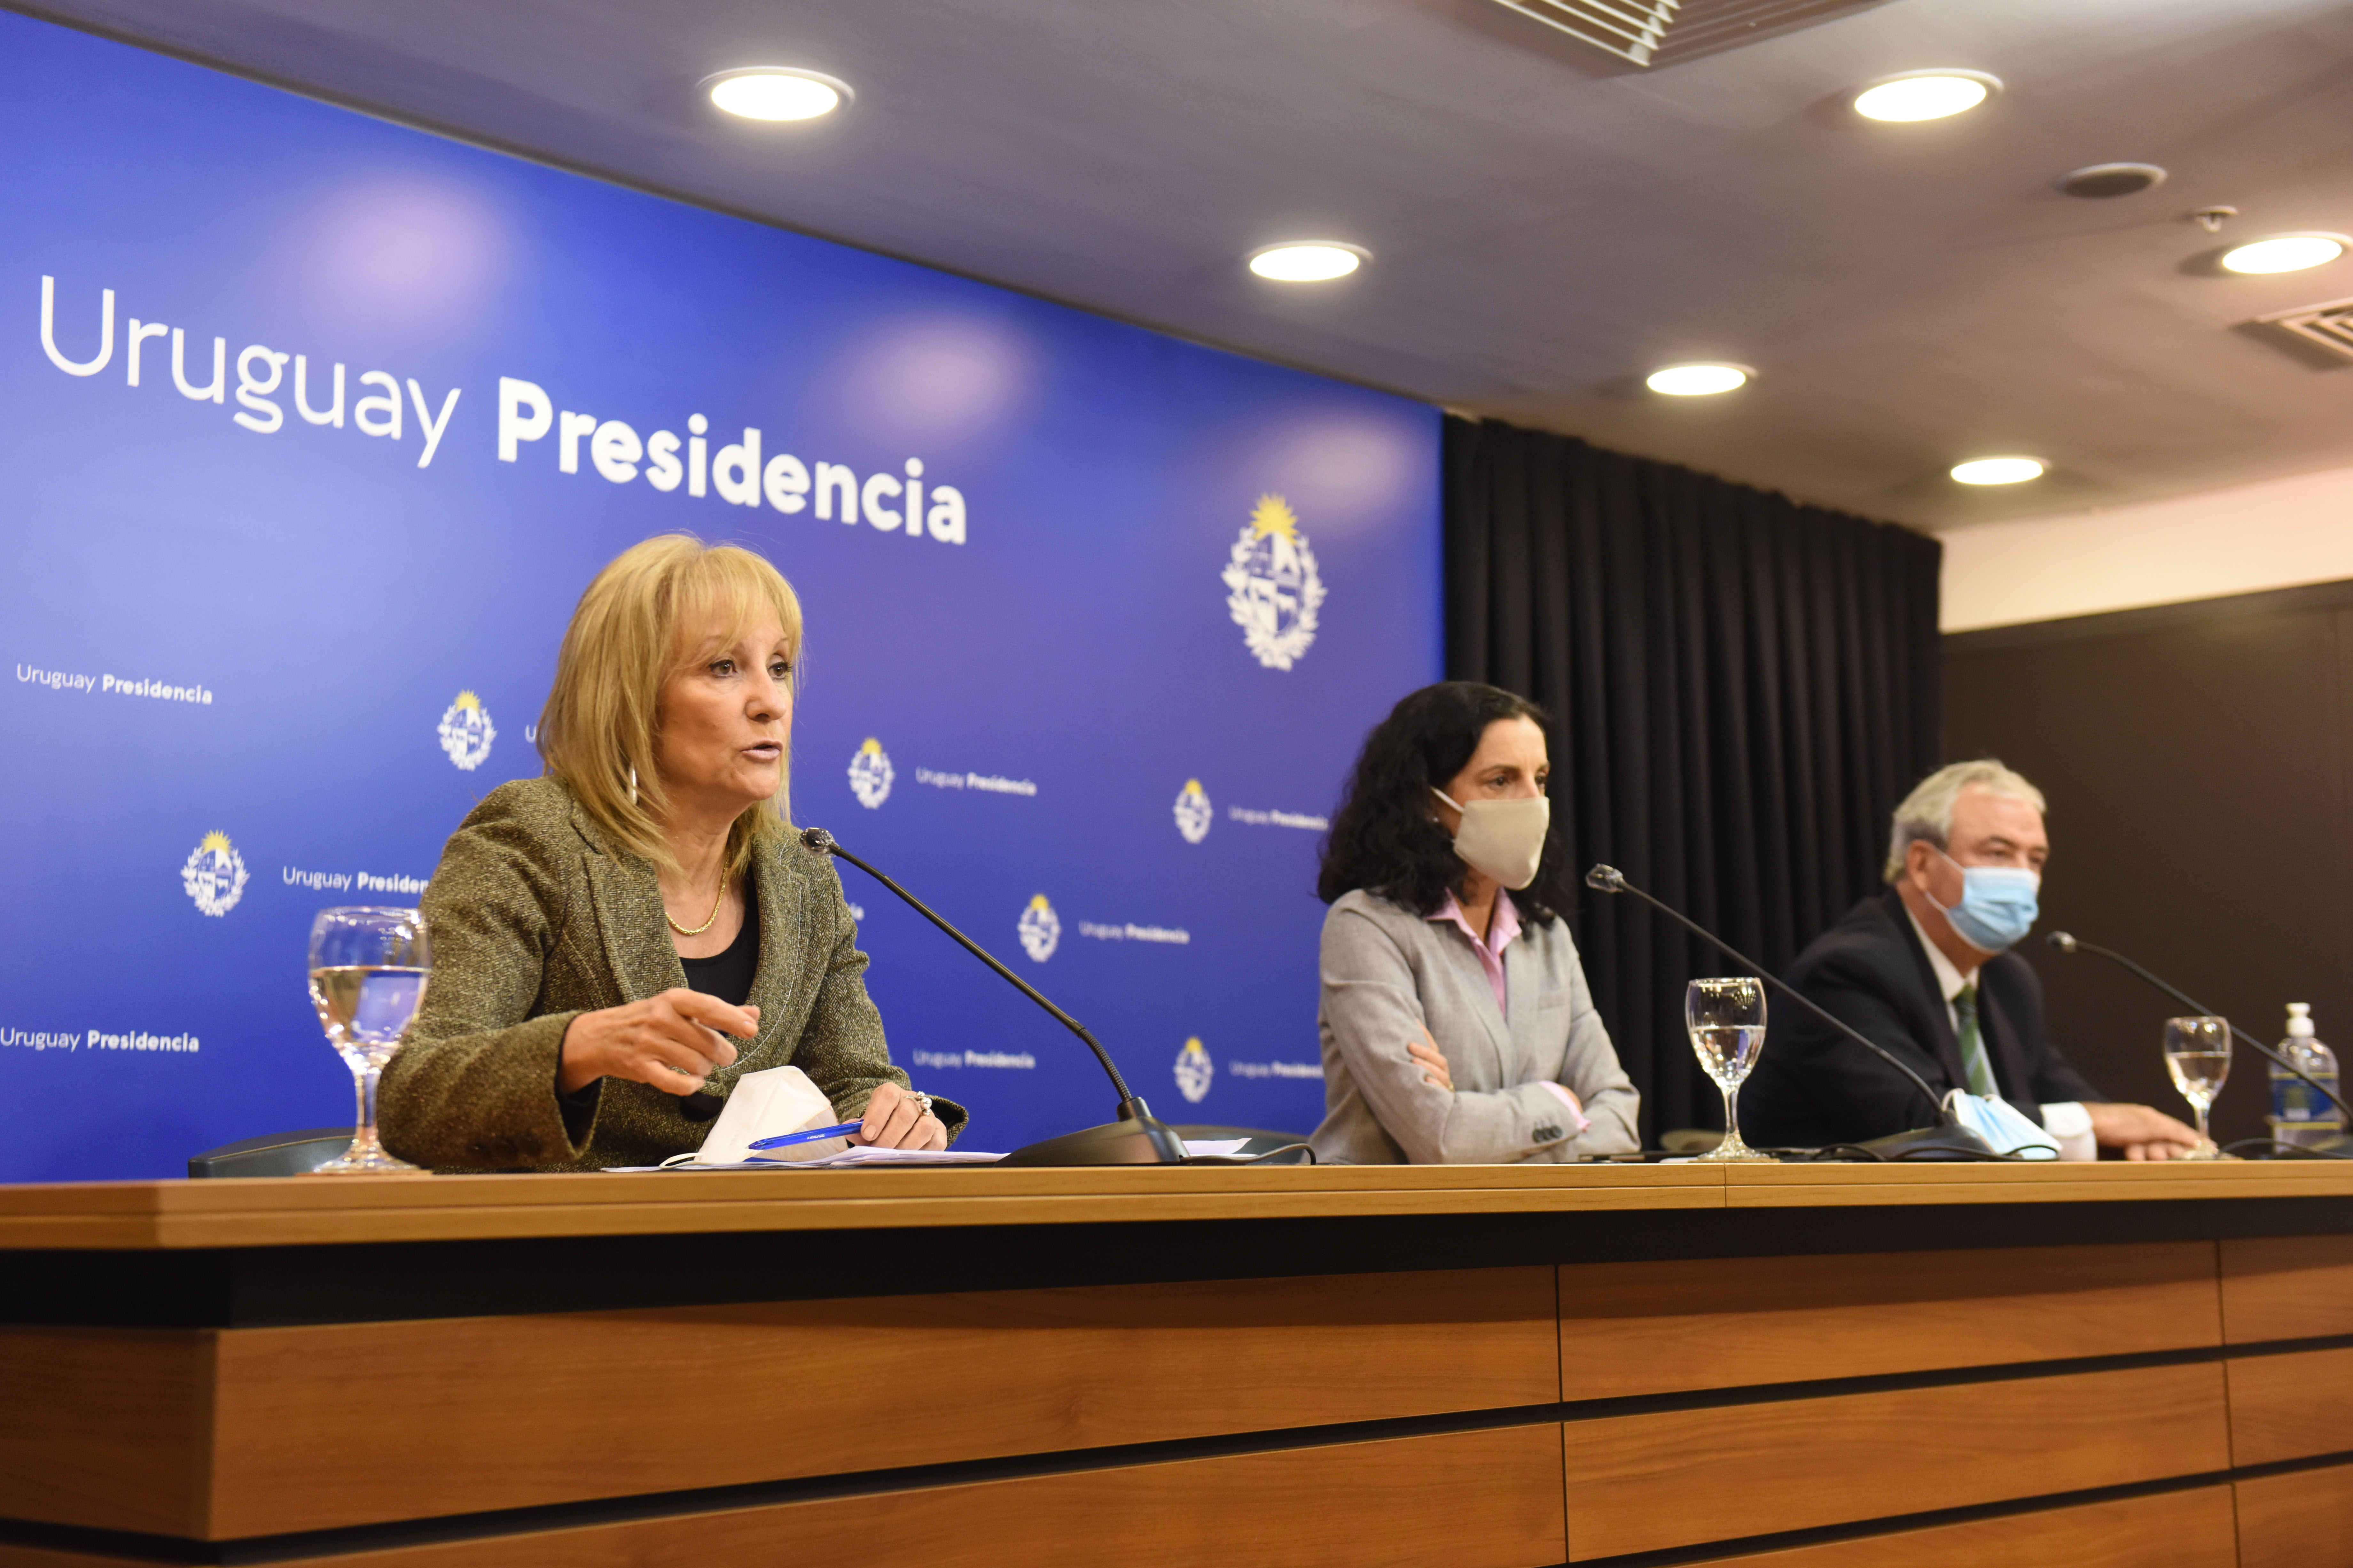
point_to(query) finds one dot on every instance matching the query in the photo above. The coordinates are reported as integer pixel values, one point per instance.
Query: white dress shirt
(2066, 1120)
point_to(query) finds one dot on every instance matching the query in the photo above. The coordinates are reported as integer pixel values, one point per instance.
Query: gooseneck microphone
(2067, 942)
(1949, 1139)
(1138, 1138)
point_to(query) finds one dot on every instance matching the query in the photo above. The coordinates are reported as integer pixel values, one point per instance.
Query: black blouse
(728, 976)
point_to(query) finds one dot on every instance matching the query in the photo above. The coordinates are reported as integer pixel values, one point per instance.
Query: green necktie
(1973, 1052)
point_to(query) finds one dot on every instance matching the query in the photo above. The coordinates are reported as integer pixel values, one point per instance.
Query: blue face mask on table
(1998, 905)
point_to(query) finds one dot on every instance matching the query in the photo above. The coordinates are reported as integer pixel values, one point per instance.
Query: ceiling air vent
(1661, 32)
(2329, 325)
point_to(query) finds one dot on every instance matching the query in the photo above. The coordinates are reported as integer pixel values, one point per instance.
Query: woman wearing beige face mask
(1457, 1025)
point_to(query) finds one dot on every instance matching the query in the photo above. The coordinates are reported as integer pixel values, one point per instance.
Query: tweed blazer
(535, 918)
(1388, 973)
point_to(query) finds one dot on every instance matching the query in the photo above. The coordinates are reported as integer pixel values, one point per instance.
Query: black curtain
(1744, 688)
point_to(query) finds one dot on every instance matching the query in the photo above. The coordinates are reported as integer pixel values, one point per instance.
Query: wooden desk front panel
(1463, 1499)
(2172, 1530)
(489, 1413)
(106, 1426)
(215, 1433)
(2291, 1407)
(1640, 1483)
(2300, 1520)
(2287, 1288)
(1657, 1328)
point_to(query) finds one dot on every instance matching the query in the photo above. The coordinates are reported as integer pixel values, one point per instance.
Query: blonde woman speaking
(637, 926)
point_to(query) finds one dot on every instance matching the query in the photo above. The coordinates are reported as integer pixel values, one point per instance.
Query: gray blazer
(1388, 973)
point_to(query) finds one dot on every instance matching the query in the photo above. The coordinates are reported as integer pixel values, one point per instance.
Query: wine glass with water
(368, 968)
(1726, 1019)
(2198, 1055)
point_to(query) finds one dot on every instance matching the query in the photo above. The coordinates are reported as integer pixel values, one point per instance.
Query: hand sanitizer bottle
(2299, 1115)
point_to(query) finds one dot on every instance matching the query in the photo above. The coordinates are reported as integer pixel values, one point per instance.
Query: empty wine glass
(2198, 1055)
(1726, 1019)
(368, 968)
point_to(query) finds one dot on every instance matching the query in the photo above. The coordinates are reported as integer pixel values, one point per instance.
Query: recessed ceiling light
(1925, 95)
(1998, 470)
(1699, 380)
(776, 92)
(1308, 260)
(2285, 252)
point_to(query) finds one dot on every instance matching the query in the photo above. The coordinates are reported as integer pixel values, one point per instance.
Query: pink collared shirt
(1500, 930)
(1490, 949)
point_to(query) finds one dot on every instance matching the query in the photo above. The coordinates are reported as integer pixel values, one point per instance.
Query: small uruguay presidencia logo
(1041, 930)
(1193, 812)
(215, 875)
(466, 732)
(871, 775)
(1272, 588)
(1194, 1071)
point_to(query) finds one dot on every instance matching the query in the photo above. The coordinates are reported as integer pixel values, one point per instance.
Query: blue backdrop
(268, 653)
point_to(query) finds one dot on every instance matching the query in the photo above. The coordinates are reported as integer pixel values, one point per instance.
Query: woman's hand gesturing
(673, 1042)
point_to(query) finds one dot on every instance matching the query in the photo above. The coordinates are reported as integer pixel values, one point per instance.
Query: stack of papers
(856, 1154)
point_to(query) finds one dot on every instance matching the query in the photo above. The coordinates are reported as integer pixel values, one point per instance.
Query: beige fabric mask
(1502, 839)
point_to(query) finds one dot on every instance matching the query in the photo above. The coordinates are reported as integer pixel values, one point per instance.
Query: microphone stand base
(1140, 1141)
(1924, 1143)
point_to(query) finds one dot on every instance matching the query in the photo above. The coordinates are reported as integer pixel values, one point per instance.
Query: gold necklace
(705, 926)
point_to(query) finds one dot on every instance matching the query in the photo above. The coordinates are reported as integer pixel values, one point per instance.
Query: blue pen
(814, 1135)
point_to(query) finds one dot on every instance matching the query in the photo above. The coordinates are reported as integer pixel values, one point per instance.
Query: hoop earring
(633, 786)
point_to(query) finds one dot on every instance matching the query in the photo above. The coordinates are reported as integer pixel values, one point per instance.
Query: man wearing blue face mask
(1925, 969)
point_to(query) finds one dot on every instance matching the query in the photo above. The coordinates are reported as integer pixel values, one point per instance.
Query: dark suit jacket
(1813, 1086)
(536, 918)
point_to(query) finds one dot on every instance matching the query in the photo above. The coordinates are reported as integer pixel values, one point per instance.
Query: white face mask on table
(1502, 839)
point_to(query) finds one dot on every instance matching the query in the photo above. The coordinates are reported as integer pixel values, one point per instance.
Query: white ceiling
(1546, 224)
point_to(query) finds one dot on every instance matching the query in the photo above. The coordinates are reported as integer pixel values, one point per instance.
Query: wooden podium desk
(1800, 1366)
